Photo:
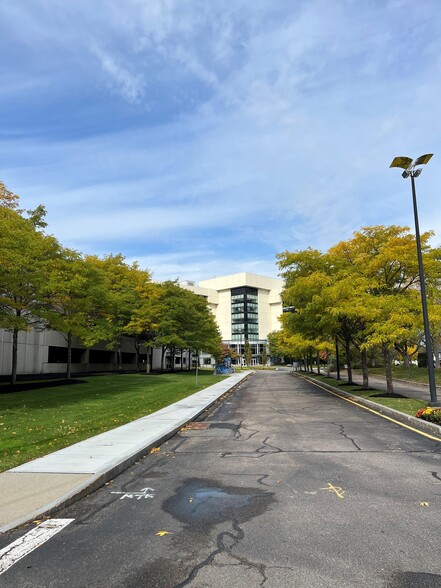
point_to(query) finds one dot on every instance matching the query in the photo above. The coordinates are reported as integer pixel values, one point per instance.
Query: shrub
(430, 414)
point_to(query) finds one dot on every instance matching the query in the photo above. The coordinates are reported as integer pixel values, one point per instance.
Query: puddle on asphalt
(202, 503)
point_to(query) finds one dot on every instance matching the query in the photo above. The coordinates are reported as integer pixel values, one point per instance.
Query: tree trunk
(14, 356)
(119, 355)
(149, 360)
(318, 363)
(328, 364)
(164, 348)
(349, 359)
(69, 356)
(364, 367)
(137, 346)
(189, 361)
(182, 357)
(388, 366)
(436, 350)
(172, 358)
(406, 360)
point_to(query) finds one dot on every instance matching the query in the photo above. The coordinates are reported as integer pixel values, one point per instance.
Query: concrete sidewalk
(43, 485)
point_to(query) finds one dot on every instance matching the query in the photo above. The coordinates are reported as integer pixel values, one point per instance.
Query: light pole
(410, 170)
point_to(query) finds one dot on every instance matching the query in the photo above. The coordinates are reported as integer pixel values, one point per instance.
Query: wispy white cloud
(129, 85)
(268, 128)
(197, 266)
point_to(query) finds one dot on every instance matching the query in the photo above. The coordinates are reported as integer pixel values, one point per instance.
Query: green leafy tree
(123, 284)
(143, 325)
(72, 303)
(183, 321)
(385, 259)
(363, 291)
(25, 252)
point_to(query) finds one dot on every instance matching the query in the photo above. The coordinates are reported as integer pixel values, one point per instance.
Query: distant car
(288, 365)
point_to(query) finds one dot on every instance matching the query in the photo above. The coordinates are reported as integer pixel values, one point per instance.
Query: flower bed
(430, 414)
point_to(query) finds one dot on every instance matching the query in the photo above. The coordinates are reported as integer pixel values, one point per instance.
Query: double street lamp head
(409, 164)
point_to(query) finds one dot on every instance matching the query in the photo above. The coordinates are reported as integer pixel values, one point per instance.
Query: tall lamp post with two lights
(409, 165)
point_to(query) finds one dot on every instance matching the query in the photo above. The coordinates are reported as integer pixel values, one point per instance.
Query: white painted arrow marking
(143, 493)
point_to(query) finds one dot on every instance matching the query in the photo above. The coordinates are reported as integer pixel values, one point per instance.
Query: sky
(202, 137)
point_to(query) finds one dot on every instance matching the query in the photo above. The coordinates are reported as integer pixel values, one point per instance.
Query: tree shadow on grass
(28, 386)
(388, 395)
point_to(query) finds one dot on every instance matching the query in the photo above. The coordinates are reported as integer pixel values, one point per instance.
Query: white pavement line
(12, 553)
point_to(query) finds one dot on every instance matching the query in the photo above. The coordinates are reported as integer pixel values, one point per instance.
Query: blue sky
(201, 137)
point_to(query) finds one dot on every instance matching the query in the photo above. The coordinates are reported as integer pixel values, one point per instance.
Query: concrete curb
(419, 424)
(98, 480)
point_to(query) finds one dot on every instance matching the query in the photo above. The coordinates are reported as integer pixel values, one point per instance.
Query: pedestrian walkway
(407, 388)
(39, 487)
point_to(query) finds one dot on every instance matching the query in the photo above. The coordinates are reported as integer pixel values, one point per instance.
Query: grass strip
(39, 421)
(395, 401)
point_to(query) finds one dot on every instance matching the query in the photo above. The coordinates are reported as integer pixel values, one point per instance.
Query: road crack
(343, 434)
(226, 541)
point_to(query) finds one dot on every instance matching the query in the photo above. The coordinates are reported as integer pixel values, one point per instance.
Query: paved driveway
(284, 485)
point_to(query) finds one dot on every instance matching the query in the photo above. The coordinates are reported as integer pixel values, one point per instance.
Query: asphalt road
(284, 485)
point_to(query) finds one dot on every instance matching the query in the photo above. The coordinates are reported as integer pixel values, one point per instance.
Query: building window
(237, 298)
(239, 328)
(238, 318)
(99, 356)
(59, 354)
(244, 314)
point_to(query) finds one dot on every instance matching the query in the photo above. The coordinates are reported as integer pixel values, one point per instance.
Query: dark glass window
(99, 356)
(244, 314)
(59, 354)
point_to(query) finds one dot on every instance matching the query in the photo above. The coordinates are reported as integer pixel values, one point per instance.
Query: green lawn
(395, 401)
(38, 421)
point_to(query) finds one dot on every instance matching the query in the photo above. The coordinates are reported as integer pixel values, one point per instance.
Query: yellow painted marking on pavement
(339, 491)
(374, 411)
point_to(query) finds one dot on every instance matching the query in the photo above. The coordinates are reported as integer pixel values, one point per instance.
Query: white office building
(246, 306)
